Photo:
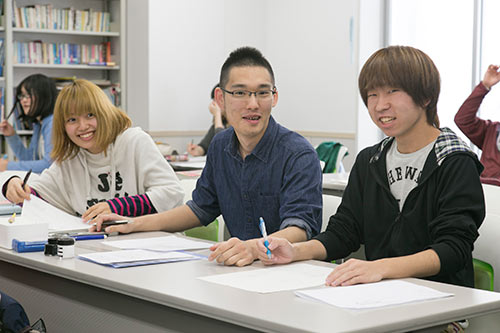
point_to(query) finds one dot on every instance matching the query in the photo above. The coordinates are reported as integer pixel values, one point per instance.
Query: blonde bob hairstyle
(408, 69)
(83, 97)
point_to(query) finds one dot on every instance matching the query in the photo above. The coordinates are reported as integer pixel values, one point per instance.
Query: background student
(414, 200)
(254, 168)
(102, 165)
(35, 99)
(482, 133)
(218, 125)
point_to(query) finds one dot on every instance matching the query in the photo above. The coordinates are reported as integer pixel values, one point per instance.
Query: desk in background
(72, 295)
(335, 183)
(194, 163)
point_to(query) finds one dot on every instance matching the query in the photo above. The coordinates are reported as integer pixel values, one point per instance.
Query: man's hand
(282, 251)
(234, 252)
(355, 271)
(120, 228)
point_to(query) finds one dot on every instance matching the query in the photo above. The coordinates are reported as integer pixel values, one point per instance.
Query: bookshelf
(64, 50)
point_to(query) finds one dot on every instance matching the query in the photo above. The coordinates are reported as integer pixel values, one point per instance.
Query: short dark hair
(212, 93)
(241, 57)
(45, 92)
(408, 69)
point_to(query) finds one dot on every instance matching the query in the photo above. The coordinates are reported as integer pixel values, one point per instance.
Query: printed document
(274, 278)
(129, 258)
(37, 210)
(373, 295)
(164, 244)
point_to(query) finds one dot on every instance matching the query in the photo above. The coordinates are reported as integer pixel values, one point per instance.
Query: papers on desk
(41, 211)
(194, 163)
(274, 278)
(373, 295)
(161, 244)
(130, 258)
(8, 208)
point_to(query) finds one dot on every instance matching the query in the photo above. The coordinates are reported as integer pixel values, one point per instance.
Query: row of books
(112, 90)
(48, 17)
(37, 52)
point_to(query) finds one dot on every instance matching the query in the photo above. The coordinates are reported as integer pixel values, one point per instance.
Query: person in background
(219, 124)
(414, 199)
(35, 97)
(256, 168)
(101, 164)
(483, 133)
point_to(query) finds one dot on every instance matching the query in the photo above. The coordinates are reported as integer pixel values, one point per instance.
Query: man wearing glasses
(256, 168)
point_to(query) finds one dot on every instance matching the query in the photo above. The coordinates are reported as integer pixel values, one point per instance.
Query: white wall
(311, 44)
(313, 50)
(371, 38)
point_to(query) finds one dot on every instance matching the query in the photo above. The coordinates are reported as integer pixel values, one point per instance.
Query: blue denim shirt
(280, 181)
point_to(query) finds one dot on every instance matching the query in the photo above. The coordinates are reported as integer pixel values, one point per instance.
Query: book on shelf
(37, 52)
(48, 17)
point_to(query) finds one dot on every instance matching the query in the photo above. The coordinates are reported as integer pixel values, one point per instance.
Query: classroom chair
(330, 205)
(491, 198)
(209, 232)
(483, 275)
(331, 154)
(485, 250)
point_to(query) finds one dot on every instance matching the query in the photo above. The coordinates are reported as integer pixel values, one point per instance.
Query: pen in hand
(25, 180)
(262, 227)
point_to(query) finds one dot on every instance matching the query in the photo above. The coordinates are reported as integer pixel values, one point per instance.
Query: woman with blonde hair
(101, 163)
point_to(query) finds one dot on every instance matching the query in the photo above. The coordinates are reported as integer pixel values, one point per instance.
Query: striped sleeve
(135, 205)
(35, 193)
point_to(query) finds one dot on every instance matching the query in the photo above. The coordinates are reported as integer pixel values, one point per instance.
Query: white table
(72, 295)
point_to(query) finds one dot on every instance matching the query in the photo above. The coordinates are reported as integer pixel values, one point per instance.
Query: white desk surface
(175, 285)
(335, 181)
(194, 163)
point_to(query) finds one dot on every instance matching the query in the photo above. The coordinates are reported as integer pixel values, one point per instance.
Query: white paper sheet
(37, 210)
(110, 257)
(165, 243)
(274, 278)
(373, 295)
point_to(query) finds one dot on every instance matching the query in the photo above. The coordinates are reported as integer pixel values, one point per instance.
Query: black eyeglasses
(22, 96)
(246, 94)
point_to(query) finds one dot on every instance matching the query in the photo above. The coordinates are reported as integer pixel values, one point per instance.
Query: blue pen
(88, 237)
(262, 227)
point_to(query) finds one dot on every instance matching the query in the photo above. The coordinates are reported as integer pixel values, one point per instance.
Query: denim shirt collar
(263, 148)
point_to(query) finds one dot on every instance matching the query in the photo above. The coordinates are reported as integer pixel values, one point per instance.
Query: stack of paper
(41, 211)
(163, 244)
(274, 278)
(8, 208)
(129, 258)
(373, 295)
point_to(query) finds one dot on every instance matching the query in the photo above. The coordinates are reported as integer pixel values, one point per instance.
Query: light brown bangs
(77, 102)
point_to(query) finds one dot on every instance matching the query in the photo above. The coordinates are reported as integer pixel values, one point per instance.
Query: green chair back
(209, 232)
(483, 275)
